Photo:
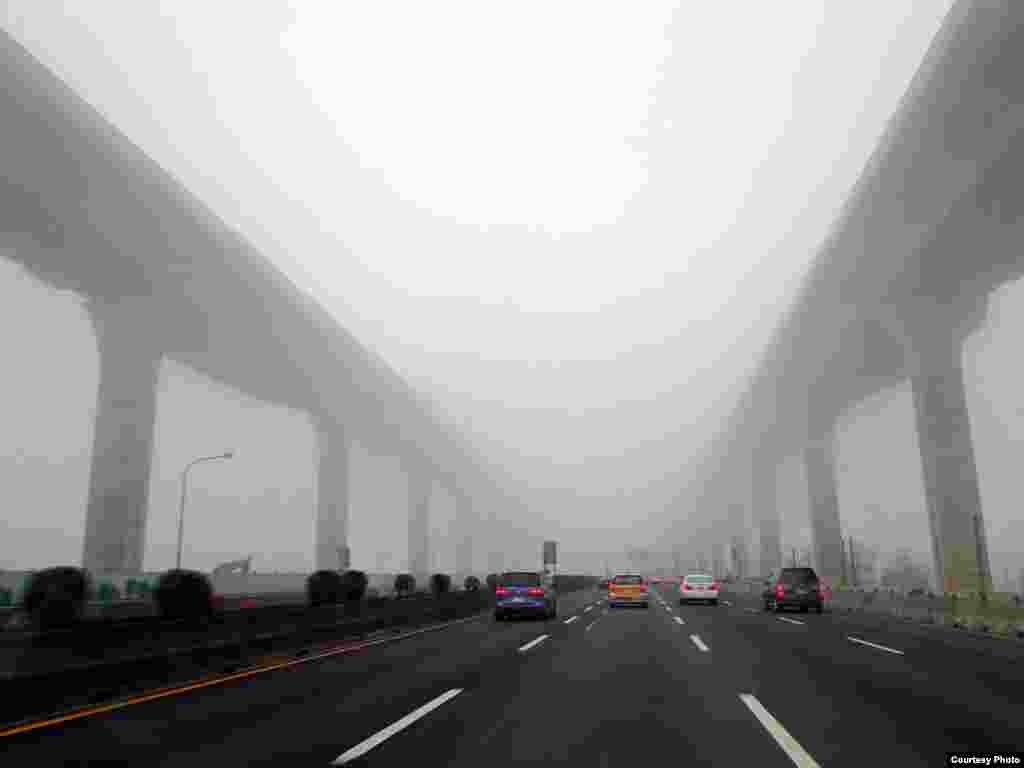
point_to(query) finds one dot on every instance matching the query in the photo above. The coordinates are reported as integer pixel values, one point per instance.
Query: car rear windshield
(629, 580)
(520, 580)
(798, 576)
(699, 579)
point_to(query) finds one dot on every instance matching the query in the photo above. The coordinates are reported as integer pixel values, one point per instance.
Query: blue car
(524, 593)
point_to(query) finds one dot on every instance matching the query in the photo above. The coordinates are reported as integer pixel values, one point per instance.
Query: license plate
(517, 599)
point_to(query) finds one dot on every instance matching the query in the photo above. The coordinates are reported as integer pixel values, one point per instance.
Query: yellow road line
(164, 693)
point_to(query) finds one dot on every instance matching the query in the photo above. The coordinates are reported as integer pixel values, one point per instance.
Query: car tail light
(780, 591)
(686, 586)
(501, 591)
(535, 592)
(714, 587)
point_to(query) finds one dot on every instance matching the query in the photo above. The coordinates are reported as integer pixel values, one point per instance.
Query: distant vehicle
(525, 593)
(628, 589)
(698, 587)
(794, 588)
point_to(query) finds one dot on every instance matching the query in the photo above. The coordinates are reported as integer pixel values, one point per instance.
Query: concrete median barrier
(45, 672)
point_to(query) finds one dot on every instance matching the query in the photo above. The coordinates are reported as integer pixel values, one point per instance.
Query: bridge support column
(332, 502)
(827, 535)
(738, 555)
(122, 445)
(766, 513)
(959, 548)
(420, 486)
(464, 528)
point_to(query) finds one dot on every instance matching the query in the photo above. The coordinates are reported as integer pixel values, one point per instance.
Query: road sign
(550, 553)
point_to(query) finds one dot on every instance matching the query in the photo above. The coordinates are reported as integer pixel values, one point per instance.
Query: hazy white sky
(574, 223)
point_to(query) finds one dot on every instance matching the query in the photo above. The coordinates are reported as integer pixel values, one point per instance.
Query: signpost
(550, 559)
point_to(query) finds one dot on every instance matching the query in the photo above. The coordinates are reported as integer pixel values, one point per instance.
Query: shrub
(324, 588)
(471, 584)
(55, 597)
(182, 594)
(107, 592)
(405, 584)
(353, 585)
(440, 583)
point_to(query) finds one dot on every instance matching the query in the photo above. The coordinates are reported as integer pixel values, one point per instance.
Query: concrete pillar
(495, 537)
(826, 532)
(464, 529)
(739, 551)
(332, 496)
(717, 560)
(959, 549)
(766, 514)
(420, 486)
(122, 446)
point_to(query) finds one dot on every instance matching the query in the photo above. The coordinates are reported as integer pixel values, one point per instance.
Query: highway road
(698, 685)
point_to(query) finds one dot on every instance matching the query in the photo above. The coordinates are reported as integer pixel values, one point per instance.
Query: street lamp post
(184, 489)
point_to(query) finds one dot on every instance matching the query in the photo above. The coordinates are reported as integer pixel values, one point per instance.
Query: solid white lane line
(571, 619)
(699, 643)
(679, 621)
(874, 645)
(532, 643)
(789, 621)
(782, 737)
(363, 747)
(588, 609)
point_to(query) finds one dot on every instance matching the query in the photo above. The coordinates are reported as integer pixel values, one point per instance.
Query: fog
(575, 226)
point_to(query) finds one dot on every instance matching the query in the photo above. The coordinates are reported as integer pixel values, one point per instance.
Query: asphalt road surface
(691, 685)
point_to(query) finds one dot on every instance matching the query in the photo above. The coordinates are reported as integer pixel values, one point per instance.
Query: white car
(698, 586)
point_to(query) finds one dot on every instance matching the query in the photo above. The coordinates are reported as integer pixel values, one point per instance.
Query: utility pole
(853, 563)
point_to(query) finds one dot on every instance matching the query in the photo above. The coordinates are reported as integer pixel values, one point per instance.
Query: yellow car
(628, 589)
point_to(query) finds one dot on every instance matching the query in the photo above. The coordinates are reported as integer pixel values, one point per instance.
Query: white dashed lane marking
(533, 643)
(782, 737)
(383, 735)
(874, 645)
(699, 643)
(789, 621)
(571, 619)
(679, 620)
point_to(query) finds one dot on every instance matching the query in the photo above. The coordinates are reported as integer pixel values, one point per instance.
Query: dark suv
(794, 588)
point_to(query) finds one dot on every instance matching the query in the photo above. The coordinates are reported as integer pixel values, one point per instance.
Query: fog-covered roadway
(726, 685)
